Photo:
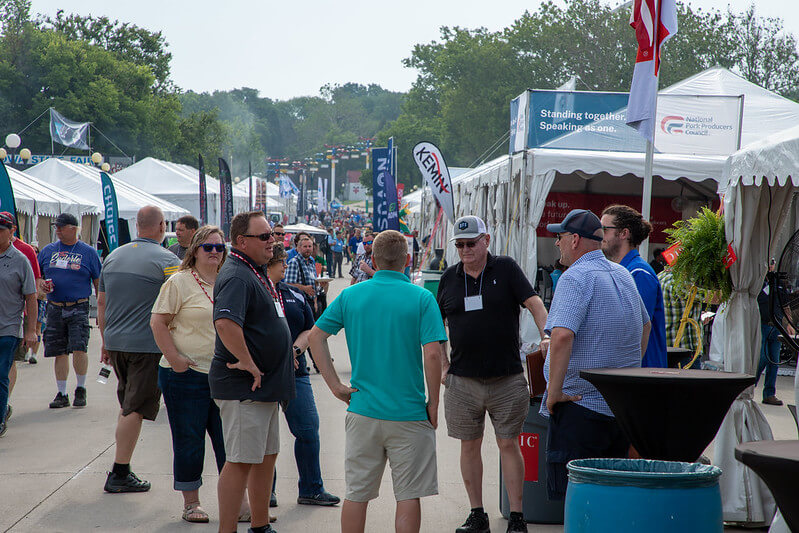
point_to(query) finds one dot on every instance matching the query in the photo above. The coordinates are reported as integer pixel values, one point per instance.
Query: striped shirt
(598, 301)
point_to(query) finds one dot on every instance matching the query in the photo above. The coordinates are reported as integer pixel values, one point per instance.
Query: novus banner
(203, 194)
(384, 191)
(436, 174)
(111, 211)
(225, 196)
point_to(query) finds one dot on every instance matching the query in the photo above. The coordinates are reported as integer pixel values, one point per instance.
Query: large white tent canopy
(84, 181)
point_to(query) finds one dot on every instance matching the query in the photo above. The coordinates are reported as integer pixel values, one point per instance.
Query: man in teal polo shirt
(393, 331)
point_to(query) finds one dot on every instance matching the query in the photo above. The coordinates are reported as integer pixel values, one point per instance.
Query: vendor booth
(759, 185)
(84, 181)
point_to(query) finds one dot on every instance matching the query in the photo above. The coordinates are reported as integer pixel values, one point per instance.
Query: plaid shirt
(356, 272)
(674, 301)
(308, 267)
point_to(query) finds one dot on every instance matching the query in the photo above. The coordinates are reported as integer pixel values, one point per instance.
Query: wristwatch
(297, 350)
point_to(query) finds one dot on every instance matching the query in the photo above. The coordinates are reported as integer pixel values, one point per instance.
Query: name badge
(473, 303)
(61, 263)
(279, 310)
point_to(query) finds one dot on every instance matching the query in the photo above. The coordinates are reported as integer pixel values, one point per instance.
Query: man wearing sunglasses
(481, 298)
(597, 320)
(362, 268)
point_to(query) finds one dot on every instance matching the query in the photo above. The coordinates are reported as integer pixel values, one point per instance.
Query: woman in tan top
(183, 328)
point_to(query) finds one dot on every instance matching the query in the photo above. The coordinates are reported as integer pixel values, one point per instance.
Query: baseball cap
(7, 219)
(580, 221)
(65, 219)
(468, 227)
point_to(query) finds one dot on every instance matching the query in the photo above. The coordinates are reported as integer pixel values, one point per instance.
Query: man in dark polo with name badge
(252, 371)
(481, 298)
(70, 267)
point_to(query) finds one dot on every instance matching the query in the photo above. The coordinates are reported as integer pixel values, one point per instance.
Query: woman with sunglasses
(182, 324)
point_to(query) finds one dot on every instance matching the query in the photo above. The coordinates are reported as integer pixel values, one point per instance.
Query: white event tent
(759, 185)
(38, 203)
(84, 181)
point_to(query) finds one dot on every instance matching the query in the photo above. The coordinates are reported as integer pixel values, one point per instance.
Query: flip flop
(192, 512)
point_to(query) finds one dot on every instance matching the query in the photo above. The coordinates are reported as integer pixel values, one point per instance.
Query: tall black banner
(203, 194)
(249, 169)
(225, 196)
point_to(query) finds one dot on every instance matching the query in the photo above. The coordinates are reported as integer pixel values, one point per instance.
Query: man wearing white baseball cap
(481, 299)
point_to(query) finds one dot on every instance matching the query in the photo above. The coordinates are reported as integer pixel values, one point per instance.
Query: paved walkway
(53, 465)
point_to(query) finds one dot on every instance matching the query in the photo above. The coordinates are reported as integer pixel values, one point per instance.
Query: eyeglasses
(559, 236)
(213, 247)
(278, 234)
(262, 237)
(368, 242)
(468, 244)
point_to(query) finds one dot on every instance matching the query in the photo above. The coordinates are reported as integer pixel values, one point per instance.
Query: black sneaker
(60, 400)
(267, 529)
(8, 412)
(80, 397)
(516, 524)
(32, 360)
(273, 500)
(3, 427)
(476, 522)
(129, 483)
(324, 499)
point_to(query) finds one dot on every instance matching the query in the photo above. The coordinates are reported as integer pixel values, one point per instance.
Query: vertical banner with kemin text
(384, 192)
(436, 175)
(225, 196)
(7, 202)
(203, 194)
(111, 212)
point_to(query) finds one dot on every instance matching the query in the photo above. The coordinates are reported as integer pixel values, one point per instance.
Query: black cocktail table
(668, 414)
(777, 463)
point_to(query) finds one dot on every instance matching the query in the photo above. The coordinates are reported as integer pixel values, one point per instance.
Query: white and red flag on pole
(655, 22)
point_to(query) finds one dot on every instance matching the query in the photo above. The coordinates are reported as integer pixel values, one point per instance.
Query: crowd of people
(224, 334)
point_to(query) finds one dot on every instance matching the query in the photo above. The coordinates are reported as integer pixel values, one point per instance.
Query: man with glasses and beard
(481, 299)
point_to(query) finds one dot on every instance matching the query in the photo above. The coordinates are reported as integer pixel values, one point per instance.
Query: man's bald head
(150, 223)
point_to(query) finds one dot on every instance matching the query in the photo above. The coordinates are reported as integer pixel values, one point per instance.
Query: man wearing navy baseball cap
(597, 320)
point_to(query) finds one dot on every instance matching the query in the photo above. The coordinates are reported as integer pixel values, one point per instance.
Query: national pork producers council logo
(692, 125)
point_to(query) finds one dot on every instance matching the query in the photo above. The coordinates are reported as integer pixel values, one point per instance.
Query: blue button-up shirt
(649, 288)
(598, 301)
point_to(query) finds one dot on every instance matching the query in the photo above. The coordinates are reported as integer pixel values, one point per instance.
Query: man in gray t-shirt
(17, 293)
(129, 284)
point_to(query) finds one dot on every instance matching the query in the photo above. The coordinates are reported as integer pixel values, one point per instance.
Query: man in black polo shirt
(480, 298)
(252, 371)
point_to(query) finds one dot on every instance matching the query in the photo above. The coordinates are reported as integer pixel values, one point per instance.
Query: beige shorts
(410, 448)
(250, 429)
(466, 401)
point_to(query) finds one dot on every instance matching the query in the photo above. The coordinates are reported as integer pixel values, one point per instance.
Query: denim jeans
(769, 359)
(191, 413)
(8, 344)
(303, 420)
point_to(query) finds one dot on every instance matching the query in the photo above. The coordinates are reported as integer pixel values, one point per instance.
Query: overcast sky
(291, 48)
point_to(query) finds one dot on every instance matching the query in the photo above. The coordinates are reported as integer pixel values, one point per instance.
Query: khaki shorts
(410, 448)
(250, 429)
(137, 387)
(466, 401)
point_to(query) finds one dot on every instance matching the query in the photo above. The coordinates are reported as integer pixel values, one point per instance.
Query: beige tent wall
(43, 231)
(86, 229)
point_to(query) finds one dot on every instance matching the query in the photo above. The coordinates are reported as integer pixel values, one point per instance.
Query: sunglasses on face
(368, 242)
(468, 244)
(278, 234)
(262, 237)
(213, 247)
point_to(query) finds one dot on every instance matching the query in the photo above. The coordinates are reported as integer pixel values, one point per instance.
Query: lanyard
(466, 288)
(193, 273)
(269, 286)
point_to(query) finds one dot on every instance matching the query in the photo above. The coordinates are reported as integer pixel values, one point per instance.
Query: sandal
(192, 512)
(246, 516)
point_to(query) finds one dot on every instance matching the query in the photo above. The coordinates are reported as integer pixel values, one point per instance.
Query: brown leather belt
(70, 304)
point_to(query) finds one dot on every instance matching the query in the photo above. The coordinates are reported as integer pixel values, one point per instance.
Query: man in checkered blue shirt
(301, 269)
(597, 320)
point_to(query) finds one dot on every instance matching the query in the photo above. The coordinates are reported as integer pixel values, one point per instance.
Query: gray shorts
(250, 429)
(466, 401)
(410, 448)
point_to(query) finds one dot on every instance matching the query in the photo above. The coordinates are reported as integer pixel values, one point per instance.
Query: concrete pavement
(53, 464)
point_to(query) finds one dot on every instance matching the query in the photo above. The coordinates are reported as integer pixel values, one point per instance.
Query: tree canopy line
(117, 75)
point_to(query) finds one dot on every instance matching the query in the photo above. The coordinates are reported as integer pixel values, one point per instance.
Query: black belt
(70, 304)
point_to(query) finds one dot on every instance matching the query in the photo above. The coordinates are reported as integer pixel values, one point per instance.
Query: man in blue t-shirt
(393, 331)
(69, 267)
(625, 229)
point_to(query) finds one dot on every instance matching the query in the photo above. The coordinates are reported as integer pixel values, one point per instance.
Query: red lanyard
(193, 273)
(269, 286)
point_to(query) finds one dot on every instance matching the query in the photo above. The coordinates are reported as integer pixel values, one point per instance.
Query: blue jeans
(303, 420)
(769, 359)
(8, 345)
(191, 413)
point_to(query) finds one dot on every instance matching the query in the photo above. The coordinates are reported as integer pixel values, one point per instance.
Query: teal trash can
(431, 279)
(613, 495)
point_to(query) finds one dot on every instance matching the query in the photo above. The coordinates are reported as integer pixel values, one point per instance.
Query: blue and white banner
(67, 132)
(518, 123)
(384, 192)
(111, 211)
(287, 187)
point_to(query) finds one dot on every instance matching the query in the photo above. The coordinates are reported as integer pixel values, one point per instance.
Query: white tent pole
(646, 200)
